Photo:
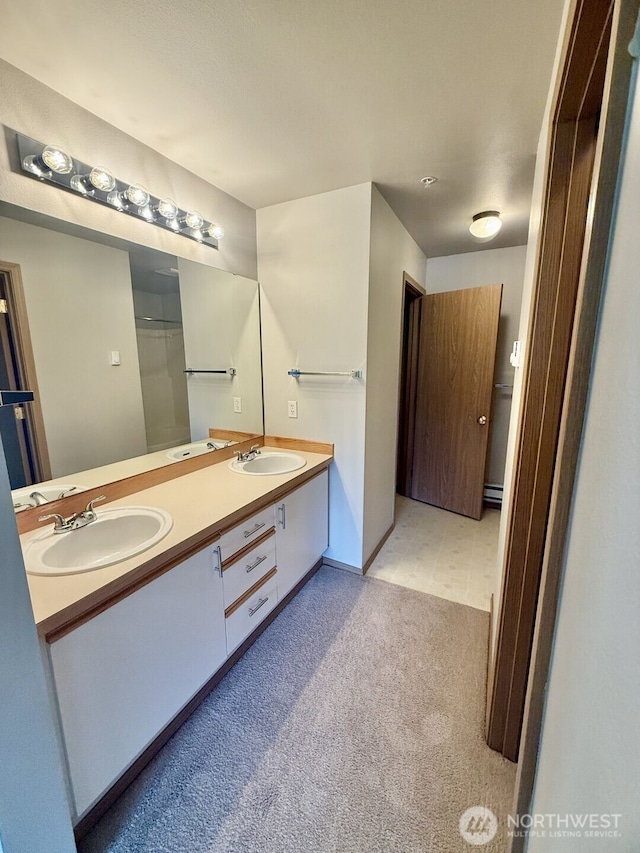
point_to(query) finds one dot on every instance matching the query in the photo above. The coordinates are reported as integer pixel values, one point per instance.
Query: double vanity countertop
(203, 504)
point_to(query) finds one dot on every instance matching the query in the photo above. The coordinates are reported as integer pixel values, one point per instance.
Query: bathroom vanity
(132, 648)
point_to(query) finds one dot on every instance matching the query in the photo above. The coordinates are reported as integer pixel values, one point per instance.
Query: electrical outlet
(237, 405)
(293, 408)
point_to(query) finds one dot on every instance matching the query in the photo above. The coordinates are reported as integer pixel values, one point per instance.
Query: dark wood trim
(345, 567)
(573, 140)
(298, 444)
(233, 435)
(118, 788)
(275, 495)
(65, 621)
(618, 76)
(489, 662)
(28, 519)
(251, 591)
(27, 366)
(408, 390)
(377, 549)
(409, 283)
(177, 557)
(240, 555)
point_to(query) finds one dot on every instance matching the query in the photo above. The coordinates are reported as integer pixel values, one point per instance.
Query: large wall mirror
(139, 356)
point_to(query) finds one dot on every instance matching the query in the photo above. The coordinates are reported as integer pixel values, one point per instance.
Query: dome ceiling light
(486, 225)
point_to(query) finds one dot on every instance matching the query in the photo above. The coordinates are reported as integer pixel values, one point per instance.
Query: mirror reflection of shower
(160, 339)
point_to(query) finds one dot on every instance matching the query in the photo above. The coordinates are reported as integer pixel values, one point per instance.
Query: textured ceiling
(278, 99)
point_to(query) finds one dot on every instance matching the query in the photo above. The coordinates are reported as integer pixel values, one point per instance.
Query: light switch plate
(115, 357)
(237, 405)
(293, 408)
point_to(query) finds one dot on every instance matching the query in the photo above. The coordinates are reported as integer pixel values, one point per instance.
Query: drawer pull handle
(252, 566)
(258, 525)
(253, 610)
(218, 561)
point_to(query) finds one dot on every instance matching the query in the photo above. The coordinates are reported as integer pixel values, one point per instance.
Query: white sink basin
(196, 448)
(115, 535)
(270, 462)
(22, 497)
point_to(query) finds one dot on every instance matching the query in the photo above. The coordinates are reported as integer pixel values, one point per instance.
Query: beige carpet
(354, 724)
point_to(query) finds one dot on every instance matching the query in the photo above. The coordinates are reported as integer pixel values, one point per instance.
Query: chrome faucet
(75, 521)
(38, 498)
(249, 455)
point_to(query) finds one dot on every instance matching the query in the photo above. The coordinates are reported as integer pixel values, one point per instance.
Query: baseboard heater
(493, 494)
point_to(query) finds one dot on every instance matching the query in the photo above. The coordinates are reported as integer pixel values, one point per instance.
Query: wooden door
(457, 350)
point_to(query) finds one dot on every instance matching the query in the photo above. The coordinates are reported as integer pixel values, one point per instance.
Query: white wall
(313, 267)
(34, 813)
(80, 308)
(392, 252)
(221, 322)
(590, 748)
(31, 108)
(475, 269)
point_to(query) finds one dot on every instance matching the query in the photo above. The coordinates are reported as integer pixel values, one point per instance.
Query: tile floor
(441, 553)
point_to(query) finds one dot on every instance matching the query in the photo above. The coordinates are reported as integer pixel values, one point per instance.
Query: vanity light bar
(54, 166)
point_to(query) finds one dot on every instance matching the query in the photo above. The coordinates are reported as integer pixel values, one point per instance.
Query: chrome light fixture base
(118, 195)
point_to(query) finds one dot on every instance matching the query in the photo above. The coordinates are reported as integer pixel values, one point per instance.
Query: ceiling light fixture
(50, 164)
(428, 181)
(486, 225)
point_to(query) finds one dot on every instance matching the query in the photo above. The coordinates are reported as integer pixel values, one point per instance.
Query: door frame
(411, 293)
(531, 590)
(26, 367)
(592, 272)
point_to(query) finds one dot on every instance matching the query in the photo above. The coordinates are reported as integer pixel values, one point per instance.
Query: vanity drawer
(243, 618)
(248, 531)
(243, 571)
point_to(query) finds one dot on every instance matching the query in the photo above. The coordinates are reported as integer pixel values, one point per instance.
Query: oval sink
(116, 535)
(22, 497)
(196, 448)
(271, 462)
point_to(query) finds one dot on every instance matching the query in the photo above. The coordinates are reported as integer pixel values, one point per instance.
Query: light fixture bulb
(102, 179)
(57, 160)
(193, 220)
(486, 225)
(115, 198)
(137, 195)
(80, 185)
(216, 231)
(167, 208)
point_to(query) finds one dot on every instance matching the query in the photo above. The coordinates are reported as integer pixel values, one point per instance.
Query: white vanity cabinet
(124, 674)
(302, 531)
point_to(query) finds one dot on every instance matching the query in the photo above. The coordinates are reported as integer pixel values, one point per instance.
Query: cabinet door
(122, 676)
(302, 531)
